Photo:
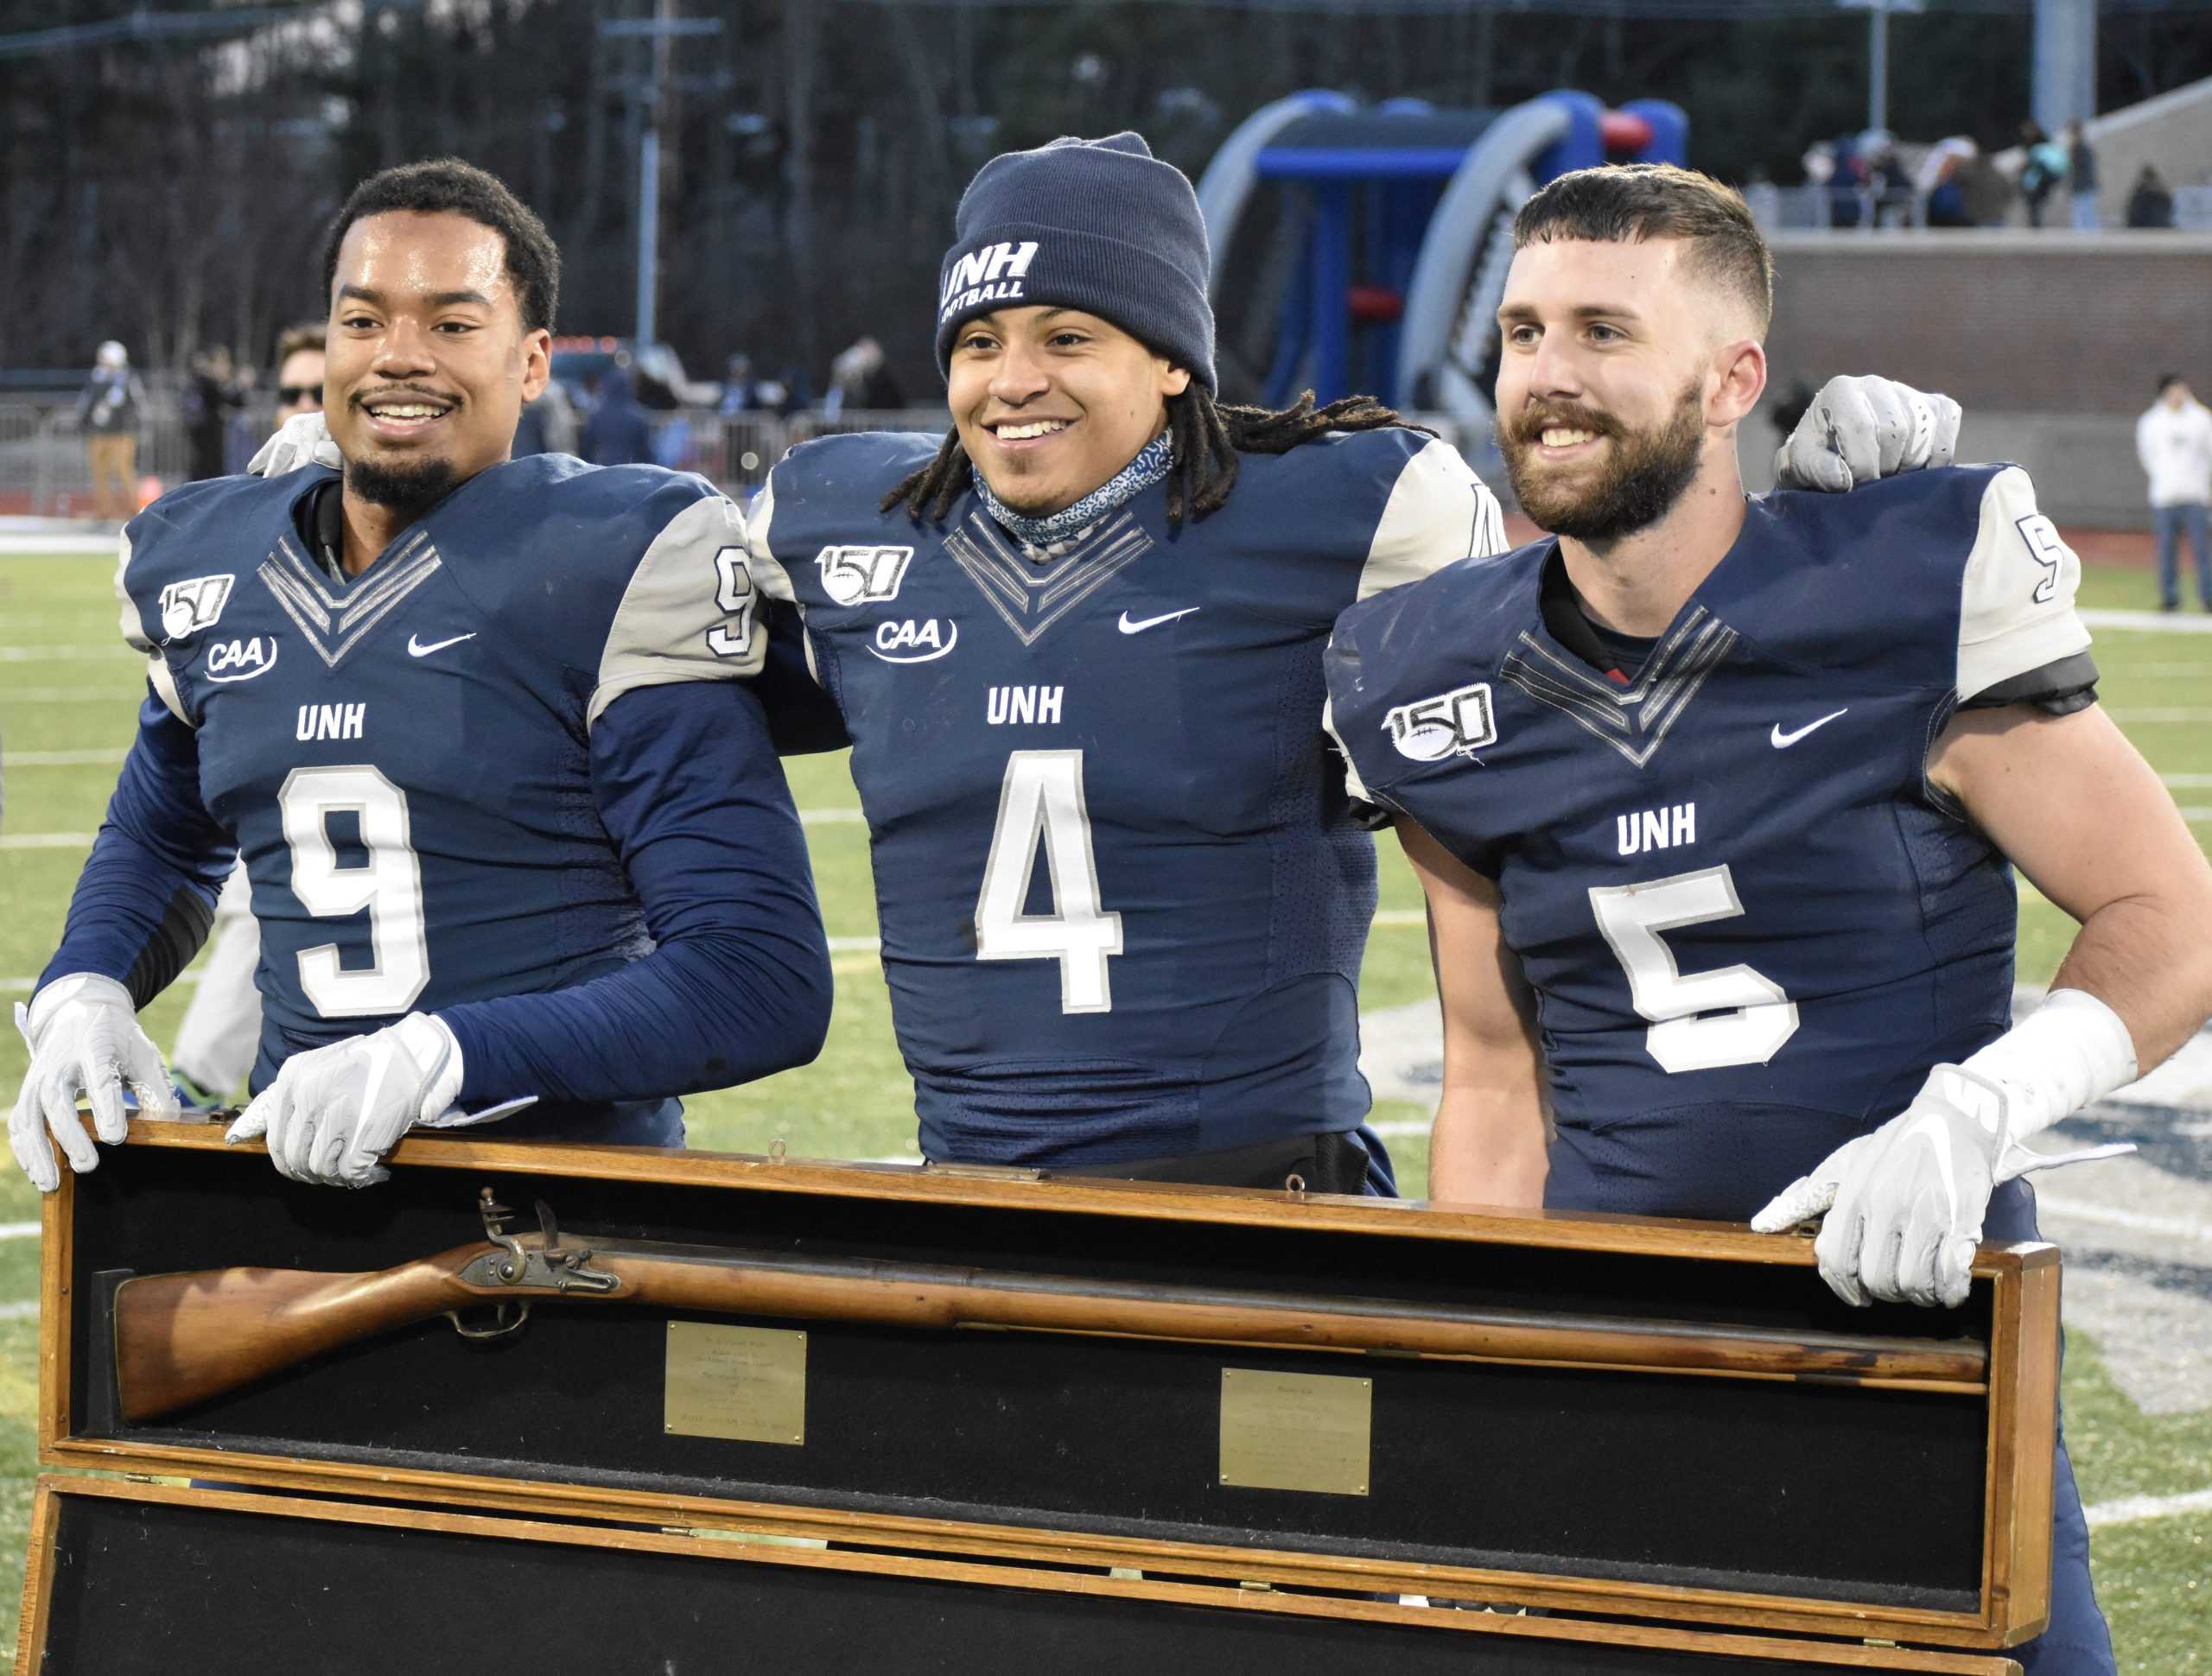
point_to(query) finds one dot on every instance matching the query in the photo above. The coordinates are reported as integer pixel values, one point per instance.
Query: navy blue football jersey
(1750, 924)
(1122, 897)
(403, 758)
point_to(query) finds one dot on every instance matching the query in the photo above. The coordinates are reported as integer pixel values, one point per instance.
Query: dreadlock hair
(1208, 438)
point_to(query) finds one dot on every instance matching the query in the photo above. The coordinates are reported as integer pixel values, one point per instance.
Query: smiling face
(1622, 375)
(1051, 402)
(428, 362)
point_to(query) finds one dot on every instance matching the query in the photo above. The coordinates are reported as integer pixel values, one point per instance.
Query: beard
(412, 487)
(1647, 472)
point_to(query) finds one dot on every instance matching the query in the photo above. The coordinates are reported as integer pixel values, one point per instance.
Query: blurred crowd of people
(1954, 183)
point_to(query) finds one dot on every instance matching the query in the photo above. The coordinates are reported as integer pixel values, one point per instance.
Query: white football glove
(1859, 429)
(302, 439)
(84, 1037)
(1904, 1205)
(334, 1112)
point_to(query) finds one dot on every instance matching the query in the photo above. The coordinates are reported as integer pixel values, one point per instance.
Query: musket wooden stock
(184, 1338)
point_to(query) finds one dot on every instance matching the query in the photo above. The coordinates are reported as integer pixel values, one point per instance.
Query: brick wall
(2021, 323)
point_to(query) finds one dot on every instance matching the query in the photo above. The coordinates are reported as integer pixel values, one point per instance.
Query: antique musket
(181, 1339)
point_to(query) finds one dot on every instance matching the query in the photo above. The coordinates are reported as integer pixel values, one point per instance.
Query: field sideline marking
(2151, 622)
(2132, 1509)
(18, 1231)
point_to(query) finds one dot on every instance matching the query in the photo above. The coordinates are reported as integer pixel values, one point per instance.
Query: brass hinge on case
(986, 1172)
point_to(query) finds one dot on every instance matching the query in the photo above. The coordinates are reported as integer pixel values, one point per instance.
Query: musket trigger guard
(508, 1316)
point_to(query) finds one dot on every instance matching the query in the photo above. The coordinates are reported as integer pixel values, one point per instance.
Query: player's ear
(1742, 366)
(1172, 380)
(537, 363)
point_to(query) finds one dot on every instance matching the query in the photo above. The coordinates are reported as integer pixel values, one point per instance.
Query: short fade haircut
(448, 185)
(294, 339)
(2167, 381)
(1621, 202)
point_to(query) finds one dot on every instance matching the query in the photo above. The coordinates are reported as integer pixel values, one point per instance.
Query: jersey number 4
(1041, 799)
(1700, 1020)
(389, 888)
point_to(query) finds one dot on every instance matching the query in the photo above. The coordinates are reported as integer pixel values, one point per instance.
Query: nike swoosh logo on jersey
(1127, 627)
(417, 649)
(1782, 741)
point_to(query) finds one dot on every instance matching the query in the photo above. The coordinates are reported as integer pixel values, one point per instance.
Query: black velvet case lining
(1805, 1491)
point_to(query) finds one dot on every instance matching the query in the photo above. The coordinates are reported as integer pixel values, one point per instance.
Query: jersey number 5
(389, 888)
(1041, 797)
(1700, 1020)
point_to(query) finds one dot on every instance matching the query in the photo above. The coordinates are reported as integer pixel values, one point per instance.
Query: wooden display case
(1663, 1437)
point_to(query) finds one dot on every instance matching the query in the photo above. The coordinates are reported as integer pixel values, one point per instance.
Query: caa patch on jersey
(1460, 723)
(852, 574)
(194, 604)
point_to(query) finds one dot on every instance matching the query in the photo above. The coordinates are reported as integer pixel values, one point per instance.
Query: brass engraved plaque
(747, 1383)
(1306, 1431)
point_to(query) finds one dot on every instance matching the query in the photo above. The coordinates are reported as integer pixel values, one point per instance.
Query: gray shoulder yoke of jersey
(403, 759)
(1749, 924)
(1178, 972)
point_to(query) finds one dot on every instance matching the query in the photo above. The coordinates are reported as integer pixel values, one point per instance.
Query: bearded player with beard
(476, 730)
(1713, 800)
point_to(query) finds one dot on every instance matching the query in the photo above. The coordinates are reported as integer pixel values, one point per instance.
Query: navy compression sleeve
(690, 788)
(147, 895)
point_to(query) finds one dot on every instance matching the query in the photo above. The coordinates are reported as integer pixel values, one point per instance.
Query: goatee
(1647, 474)
(412, 487)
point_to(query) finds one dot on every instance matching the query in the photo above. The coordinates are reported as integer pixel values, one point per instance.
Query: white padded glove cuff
(49, 1000)
(2069, 1053)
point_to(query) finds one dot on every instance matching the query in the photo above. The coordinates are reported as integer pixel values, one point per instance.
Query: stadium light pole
(661, 30)
(1878, 53)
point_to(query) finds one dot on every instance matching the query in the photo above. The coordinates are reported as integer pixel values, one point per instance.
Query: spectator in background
(618, 433)
(208, 401)
(108, 412)
(2044, 167)
(548, 424)
(2082, 177)
(2174, 441)
(1942, 181)
(299, 373)
(859, 380)
(2151, 202)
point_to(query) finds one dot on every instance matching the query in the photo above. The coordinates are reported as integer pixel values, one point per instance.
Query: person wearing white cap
(108, 412)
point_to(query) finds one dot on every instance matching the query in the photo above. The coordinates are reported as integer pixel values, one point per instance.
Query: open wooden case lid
(146, 1580)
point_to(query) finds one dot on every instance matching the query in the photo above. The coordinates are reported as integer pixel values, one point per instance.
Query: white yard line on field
(46, 840)
(2159, 714)
(114, 653)
(60, 758)
(67, 695)
(2130, 1510)
(18, 1231)
(2152, 622)
(40, 545)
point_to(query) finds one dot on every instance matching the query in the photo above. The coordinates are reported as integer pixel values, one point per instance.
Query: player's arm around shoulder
(1437, 511)
(1488, 1143)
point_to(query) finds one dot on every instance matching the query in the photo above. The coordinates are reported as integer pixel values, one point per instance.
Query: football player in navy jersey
(514, 827)
(1713, 802)
(1076, 647)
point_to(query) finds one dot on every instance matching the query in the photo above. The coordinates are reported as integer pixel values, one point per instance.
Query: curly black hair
(1208, 438)
(446, 185)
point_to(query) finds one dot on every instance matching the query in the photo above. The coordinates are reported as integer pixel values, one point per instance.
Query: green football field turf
(67, 692)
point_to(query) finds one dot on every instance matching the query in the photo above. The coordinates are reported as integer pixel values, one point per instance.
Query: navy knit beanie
(1102, 225)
